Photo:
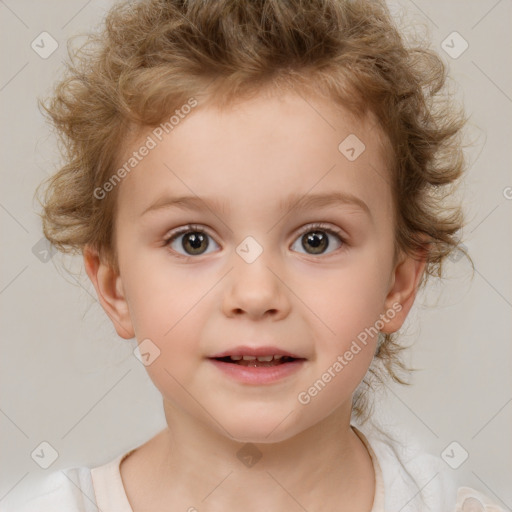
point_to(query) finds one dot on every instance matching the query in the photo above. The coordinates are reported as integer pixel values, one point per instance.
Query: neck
(190, 464)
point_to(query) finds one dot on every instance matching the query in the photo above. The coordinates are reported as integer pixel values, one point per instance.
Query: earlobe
(404, 286)
(109, 288)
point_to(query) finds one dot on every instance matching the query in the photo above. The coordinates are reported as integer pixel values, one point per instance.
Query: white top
(406, 481)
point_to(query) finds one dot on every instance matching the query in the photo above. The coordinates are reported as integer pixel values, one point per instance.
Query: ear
(403, 288)
(109, 288)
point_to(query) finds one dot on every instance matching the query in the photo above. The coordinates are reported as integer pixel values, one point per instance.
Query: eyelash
(316, 226)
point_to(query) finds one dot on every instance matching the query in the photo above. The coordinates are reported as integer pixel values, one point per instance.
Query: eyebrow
(292, 203)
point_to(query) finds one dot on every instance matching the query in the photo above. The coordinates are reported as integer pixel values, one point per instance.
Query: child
(256, 190)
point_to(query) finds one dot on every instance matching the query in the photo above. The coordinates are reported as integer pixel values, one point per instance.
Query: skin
(252, 156)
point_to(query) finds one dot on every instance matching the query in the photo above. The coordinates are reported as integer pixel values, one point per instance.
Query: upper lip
(245, 350)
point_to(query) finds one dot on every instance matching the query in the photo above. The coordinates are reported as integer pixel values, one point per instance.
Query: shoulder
(415, 480)
(68, 490)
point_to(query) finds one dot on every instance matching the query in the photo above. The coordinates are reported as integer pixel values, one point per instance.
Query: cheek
(169, 319)
(346, 302)
(166, 307)
(174, 337)
(158, 296)
(335, 385)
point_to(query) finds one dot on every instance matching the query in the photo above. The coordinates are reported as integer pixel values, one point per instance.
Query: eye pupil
(317, 240)
(194, 239)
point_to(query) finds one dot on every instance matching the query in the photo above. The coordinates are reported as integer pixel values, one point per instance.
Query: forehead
(259, 152)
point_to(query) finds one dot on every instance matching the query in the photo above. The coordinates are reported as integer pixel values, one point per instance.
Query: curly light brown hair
(152, 56)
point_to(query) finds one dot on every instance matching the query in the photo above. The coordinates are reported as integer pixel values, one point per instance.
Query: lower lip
(258, 375)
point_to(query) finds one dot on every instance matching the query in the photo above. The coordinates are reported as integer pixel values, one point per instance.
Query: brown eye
(194, 243)
(189, 242)
(316, 240)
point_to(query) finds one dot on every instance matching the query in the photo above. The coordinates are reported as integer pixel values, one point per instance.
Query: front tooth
(236, 358)
(265, 358)
(277, 356)
(249, 358)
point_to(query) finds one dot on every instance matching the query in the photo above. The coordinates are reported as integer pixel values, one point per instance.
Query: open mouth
(263, 361)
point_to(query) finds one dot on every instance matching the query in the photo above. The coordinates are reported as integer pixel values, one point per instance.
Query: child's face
(298, 295)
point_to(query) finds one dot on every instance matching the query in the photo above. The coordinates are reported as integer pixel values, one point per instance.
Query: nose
(256, 290)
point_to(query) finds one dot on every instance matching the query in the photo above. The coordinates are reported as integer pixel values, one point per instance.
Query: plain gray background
(69, 380)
